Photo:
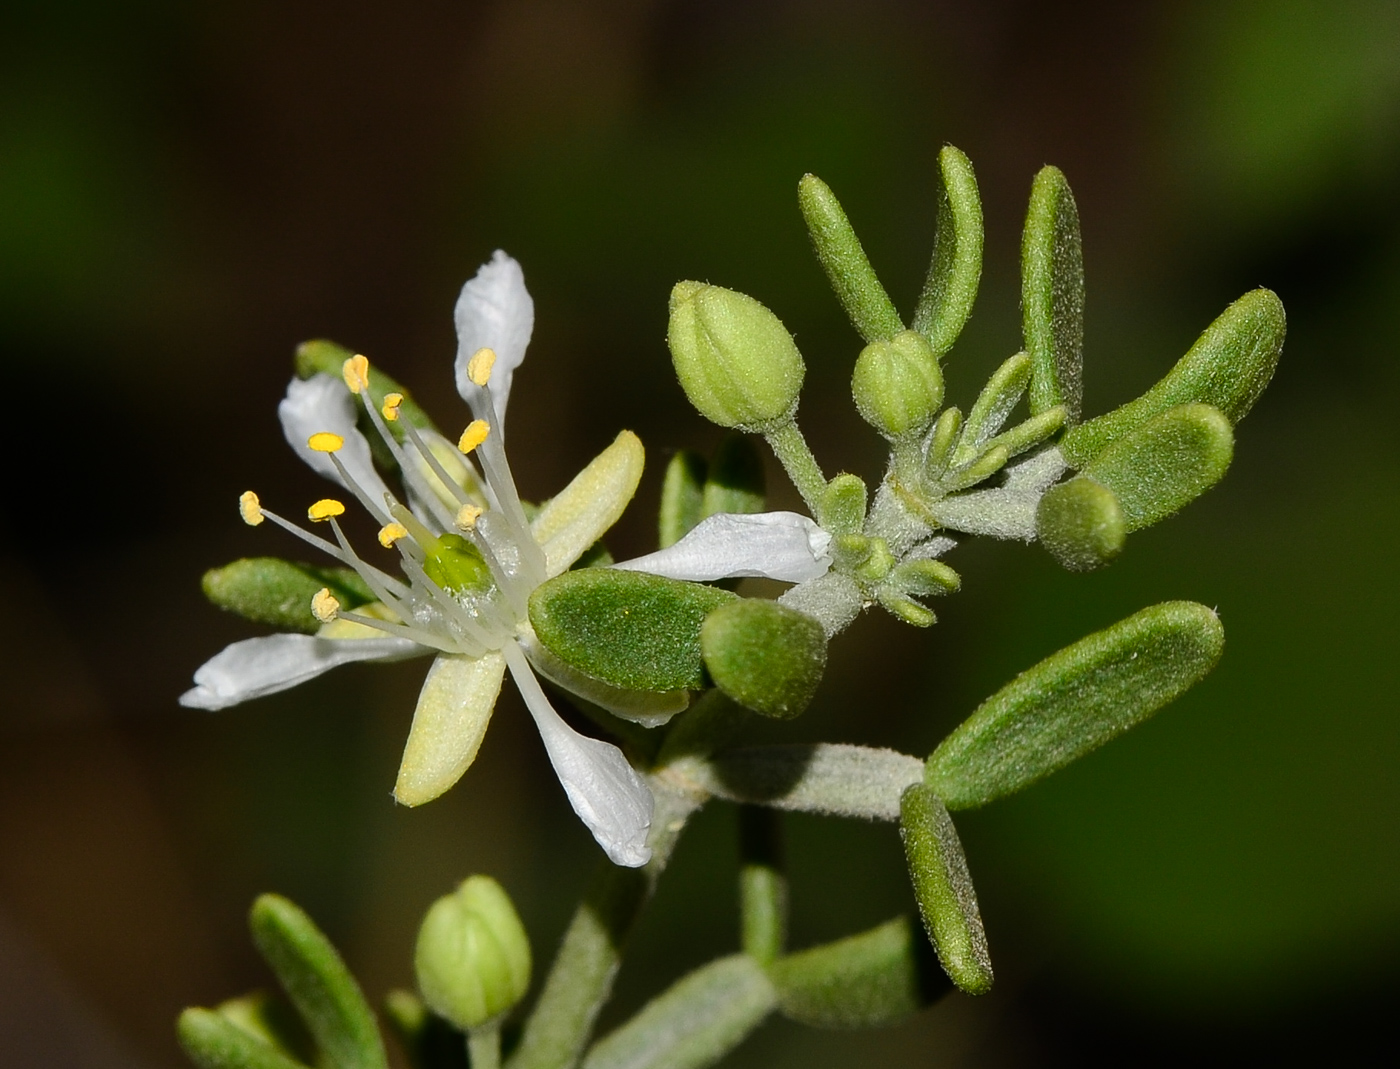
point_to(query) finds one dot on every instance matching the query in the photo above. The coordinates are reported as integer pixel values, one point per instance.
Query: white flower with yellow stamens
(470, 559)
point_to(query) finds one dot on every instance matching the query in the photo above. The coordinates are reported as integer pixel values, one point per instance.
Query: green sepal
(1228, 367)
(1002, 393)
(629, 629)
(925, 578)
(318, 984)
(1081, 524)
(898, 386)
(734, 358)
(843, 504)
(943, 889)
(735, 481)
(682, 491)
(907, 609)
(212, 1041)
(269, 590)
(847, 267)
(274, 1021)
(427, 1040)
(983, 466)
(1052, 295)
(1165, 463)
(1075, 701)
(327, 358)
(765, 656)
(862, 981)
(956, 268)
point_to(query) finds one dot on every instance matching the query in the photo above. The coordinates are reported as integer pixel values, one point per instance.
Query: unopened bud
(897, 385)
(473, 956)
(736, 361)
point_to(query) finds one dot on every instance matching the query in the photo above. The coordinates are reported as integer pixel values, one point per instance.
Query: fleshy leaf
(953, 275)
(1081, 523)
(318, 983)
(682, 494)
(1163, 464)
(735, 482)
(694, 1022)
(1228, 367)
(862, 981)
(765, 656)
(646, 707)
(845, 263)
(1003, 391)
(1075, 701)
(268, 590)
(1052, 295)
(212, 1041)
(943, 888)
(582, 512)
(454, 708)
(629, 629)
(273, 1020)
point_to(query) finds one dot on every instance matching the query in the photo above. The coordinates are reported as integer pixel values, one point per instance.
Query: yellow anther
(356, 372)
(250, 508)
(391, 406)
(473, 436)
(480, 365)
(391, 533)
(325, 442)
(324, 510)
(467, 516)
(324, 606)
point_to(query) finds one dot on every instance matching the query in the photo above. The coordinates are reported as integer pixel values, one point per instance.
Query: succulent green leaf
(736, 481)
(1003, 391)
(268, 590)
(272, 1020)
(843, 504)
(898, 386)
(953, 276)
(327, 358)
(1030, 432)
(1165, 463)
(765, 656)
(693, 1023)
(1075, 701)
(1228, 367)
(734, 358)
(629, 629)
(863, 981)
(1052, 294)
(943, 888)
(682, 491)
(847, 267)
(472, 958)
(318, 983)
(946, 432)
(1081, 523)
(212, 1041)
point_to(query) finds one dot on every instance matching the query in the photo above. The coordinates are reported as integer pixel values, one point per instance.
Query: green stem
(763, 893)
(484, 1047)
(796, 458)
(582, 975)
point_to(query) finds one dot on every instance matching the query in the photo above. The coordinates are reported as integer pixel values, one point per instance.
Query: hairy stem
(796, 458)
(484, 1047)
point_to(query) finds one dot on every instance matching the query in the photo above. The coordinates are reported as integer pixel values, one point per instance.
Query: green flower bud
(898, 386)
(736, 361)
(473, 957)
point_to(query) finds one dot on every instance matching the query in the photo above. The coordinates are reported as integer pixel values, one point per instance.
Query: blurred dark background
(188, 190)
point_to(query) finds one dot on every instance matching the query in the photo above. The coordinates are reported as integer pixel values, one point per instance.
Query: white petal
(495, 311)
(323, 403)
(258, 666)
(775, 545)
(607, 793)
(582, 512)
(651, 709)
(454, 708)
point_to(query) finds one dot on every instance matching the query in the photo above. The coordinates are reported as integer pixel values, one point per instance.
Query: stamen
(324, 509)
(356, 373)
(324, 605)
(391, 533)
(348, 480)
(474, 435)
(459, 645)
(325, 442)
(392, 401)
(467, 516)
(250, 509)
(480, 365)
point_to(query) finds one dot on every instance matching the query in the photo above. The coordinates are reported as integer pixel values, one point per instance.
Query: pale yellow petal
(579, 515)
(454, 708)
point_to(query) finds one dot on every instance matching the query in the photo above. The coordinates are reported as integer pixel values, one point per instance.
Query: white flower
(470, 559)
